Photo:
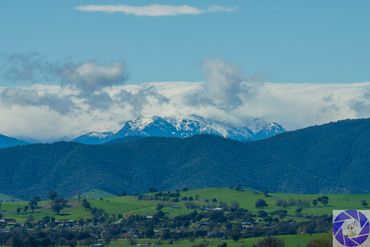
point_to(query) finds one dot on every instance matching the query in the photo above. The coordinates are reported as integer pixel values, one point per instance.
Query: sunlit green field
(290, 241)
(132, 205)
(4, 197)
(75, 211)
(247, 200)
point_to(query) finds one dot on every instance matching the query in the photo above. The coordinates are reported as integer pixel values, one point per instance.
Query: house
(217, 209)
(247, 224)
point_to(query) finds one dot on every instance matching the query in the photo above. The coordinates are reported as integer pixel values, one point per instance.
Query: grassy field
(96, 194)
(9, 210)
(247, 200)
(203, 197)
(6, 198)
(290, 241)
(132, 205)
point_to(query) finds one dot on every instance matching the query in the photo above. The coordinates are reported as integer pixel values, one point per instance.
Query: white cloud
(38, 111)
(94, 97)
(88, 76)
(216, 9)
(223, 85)
(31, 97)
(154, 10)
(91, 76)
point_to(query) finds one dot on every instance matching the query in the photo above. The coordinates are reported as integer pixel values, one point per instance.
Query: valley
(310, 160)
(182, 218)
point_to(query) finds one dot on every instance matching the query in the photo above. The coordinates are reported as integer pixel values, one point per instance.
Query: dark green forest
(331, 158)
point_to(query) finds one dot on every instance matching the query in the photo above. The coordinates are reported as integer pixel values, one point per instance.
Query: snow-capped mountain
(95, 138)
(196, 125)
(147, 126)
(269, 130)
(182, 127)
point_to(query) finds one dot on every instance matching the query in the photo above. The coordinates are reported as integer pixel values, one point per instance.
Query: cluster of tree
(292, 202)
(98, 214)
(32, 205)
(21, 236)
(57, 203)
(260, 203)
(324, 200)
(169, 197)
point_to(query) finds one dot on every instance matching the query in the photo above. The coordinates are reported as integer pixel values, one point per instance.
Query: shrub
(260, 203)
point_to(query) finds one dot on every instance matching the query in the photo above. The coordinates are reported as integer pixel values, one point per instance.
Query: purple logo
(351, 228)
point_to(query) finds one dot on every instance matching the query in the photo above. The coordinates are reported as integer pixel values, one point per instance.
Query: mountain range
(6, 141)
(254, 129)
(330, 158)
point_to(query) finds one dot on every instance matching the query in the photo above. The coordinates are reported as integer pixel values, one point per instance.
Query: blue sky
(285, 41)
(70, 67)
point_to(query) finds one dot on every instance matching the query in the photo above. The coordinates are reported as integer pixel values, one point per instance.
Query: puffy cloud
(361, 105)
(146, 96)
(97, 100)
(47, 112)
(90, 76)
(154, 10)
(30, 97)
(94, 98)
(223, 86)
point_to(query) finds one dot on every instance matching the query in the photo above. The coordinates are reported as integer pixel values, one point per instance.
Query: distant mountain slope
(95, 194)
(333, 157)
(6, 141)
(125, 139)
(254, 129)
(6, 198)
(95, 138)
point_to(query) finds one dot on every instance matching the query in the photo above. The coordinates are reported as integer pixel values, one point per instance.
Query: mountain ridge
(7, 141)
(182, 127)
(330, 158)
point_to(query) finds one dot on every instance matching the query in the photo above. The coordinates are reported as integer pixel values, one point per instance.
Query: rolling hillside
(205, 200)
(331, 158)
(202, 197)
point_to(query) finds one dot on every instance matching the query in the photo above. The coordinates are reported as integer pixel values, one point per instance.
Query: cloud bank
(49, 112)
(90, 76)
(93, 96)
(154, 10)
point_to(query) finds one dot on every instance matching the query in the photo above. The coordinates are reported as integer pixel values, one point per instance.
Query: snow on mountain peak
(182, 127)
(143, 121)
(100, 135)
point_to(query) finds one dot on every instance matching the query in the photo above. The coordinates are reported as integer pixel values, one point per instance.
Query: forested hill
(7, 141)
(333, 157)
